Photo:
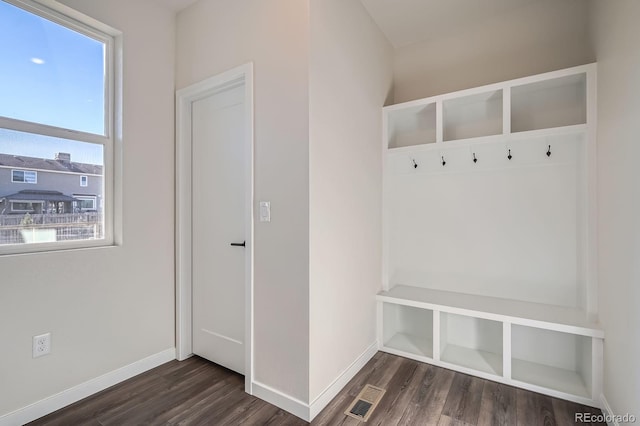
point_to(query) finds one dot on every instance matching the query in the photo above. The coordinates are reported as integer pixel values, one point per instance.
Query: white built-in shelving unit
(489, 265)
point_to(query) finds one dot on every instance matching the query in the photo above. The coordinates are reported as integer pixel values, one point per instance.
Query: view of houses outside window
(46, 198)
(55, 120)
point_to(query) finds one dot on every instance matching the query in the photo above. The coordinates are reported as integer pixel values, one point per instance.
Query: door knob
(242, 244)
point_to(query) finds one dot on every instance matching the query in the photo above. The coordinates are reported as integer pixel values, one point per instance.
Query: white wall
(544, 36)
(615, 34)
(212, 37)
(501, 228)
(350, 79)
(105, 307)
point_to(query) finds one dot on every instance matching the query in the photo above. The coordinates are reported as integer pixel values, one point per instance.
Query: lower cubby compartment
(543, 348)
(472, 343)
(408, 330)
(552, 360)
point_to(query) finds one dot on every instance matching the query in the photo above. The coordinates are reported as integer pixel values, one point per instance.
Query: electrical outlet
(41, 345)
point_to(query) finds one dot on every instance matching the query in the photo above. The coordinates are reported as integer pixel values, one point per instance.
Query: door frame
(183, 254)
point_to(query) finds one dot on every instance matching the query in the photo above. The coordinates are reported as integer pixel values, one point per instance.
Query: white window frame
(24, 176)
(84, 180)
(111, 141)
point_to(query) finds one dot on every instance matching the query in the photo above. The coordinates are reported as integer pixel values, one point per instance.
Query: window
(24, 176)
(85, 203)
(58, 92)
(22, 207)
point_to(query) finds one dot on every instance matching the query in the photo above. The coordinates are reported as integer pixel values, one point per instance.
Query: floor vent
(364, 404)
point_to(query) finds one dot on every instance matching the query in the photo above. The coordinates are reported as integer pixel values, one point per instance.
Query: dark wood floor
(197, 392)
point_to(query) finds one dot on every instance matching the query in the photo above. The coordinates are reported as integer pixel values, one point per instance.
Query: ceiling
(177, 5)
(409, 21)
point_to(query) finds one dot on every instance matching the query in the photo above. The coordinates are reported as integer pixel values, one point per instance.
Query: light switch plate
(265, 211)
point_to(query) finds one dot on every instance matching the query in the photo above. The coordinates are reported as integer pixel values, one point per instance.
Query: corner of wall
(350, 79)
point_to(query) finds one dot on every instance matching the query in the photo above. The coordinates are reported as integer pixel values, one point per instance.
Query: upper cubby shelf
(539, 103)
(473, 116)
(412, 126)
(556, 102)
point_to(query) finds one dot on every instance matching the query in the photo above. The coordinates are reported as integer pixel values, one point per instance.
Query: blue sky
(51, 75)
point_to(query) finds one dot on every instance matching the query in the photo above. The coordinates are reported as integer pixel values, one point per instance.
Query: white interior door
(218, 221)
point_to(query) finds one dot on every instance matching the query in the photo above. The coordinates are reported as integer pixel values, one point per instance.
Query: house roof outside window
(37, 195)
(59, 165)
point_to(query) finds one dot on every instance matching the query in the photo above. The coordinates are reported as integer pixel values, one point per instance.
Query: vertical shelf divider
(597, 362)
(380, 324)
(592, 231)
(385, 211)
(506, 350)
(506, 110)
(436, 336)
(439, 121)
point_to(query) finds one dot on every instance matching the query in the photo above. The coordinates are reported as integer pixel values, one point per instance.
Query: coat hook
(509, 156)
(549, 151)
(443, 162)
(415, 165)
(475, 160)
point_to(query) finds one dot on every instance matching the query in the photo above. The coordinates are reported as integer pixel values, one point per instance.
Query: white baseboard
(306, 411)
(281, 400)
(288, 403)
(83, 390)
(608, 413)
(322, 400)
(612, 418)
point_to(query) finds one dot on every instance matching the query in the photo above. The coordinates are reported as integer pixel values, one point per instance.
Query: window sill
(48, 248)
